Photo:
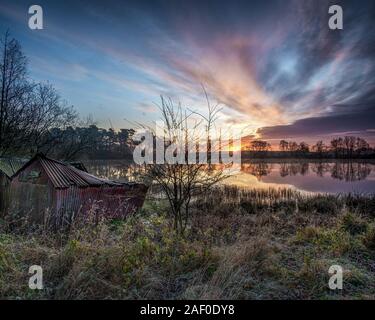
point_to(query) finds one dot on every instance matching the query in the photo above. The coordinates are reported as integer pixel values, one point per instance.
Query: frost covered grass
(240, 244)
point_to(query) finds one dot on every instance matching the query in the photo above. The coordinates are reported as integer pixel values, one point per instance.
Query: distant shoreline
(311, 160)
(245, 160)
(280, 155)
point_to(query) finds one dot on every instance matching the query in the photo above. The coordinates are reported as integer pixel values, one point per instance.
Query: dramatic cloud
(359, 122)
(275, 66)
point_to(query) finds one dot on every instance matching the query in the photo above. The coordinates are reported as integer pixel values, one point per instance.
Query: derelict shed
(54, 192)
(8, 167)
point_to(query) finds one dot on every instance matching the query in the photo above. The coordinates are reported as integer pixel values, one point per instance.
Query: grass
(240, 244)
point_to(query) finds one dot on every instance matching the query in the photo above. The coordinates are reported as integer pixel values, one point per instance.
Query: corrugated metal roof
(11, 165)
(79, 166)
(63, 175)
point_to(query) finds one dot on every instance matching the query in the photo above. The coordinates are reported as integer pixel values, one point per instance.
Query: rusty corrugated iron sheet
(113, 202)
(62, 192)
(63, 175)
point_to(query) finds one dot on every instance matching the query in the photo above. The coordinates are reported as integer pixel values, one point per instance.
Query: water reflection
(112, 169)
(347, 171)
(351, 171)
(257, 169)
(331, 177)
(287, 169)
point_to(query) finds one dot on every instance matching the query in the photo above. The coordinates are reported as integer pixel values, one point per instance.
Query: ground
(270, 244)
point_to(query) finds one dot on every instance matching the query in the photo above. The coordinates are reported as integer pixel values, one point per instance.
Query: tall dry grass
(240, 244)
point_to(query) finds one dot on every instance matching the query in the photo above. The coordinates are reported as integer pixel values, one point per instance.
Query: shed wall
(34, 195)
(31, 194)
(4, 192)
(112, 202)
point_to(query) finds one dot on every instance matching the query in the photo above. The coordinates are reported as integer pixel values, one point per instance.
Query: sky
(275, 67)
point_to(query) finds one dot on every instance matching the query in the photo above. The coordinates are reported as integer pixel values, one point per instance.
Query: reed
(240, 244)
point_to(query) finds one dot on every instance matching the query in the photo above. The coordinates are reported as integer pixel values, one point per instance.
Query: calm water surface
(326, 177)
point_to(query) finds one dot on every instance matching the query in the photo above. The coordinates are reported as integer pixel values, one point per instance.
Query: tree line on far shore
(341, 147)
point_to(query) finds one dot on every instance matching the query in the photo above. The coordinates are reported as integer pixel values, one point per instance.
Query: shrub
(352, 223)
(320, 204)
(369, 238)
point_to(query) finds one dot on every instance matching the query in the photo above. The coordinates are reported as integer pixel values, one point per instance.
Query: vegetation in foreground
(239, 244)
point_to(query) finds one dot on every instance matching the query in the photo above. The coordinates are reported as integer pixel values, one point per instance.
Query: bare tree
(14, 91)
(71, 141)
(183, 180)
(349, 144)
(259, 145)
(361, 146)
(27, 109)
(284, 145)
(337, 146)
(319, 147)
(303, 147)
(293, 146)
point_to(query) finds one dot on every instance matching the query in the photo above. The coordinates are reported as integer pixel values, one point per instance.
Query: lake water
(325, 177)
